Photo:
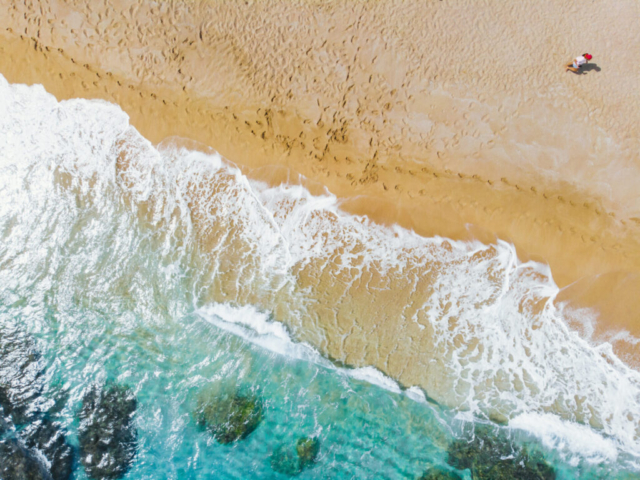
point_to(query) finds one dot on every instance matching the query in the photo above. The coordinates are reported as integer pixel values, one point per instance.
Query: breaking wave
(463, 324)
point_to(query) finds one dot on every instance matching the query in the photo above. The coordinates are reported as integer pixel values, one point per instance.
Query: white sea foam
(574, 441)
(375, 377)
(416, 394)
(257, 328)
(498, 342)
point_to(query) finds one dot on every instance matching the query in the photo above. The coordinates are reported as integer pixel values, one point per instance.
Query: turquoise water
(169, 362)
(168, 356)
(115, 289)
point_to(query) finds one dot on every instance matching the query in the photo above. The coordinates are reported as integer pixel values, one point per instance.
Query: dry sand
(451, 117)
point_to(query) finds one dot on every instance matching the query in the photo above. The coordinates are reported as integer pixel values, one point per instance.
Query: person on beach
(578, 62)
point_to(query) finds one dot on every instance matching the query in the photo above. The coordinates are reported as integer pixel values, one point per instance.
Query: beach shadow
(587, 68)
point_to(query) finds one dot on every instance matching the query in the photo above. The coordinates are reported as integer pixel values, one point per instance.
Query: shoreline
(591, 242)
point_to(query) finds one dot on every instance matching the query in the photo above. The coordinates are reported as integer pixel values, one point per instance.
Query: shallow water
(167, 270)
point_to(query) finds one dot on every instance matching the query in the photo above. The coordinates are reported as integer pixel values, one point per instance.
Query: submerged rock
(49, 438)
(438, 473)
(21, 400)
(228, 416)
(5, 426)
(17, 462)
(21, 373)
(107, 435)
(291, 461)
(493, 458)
(308, 450)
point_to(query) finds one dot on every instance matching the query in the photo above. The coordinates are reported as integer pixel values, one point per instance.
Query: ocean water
(166, 270)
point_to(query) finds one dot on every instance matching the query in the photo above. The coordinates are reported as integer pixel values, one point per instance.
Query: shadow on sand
(587, 68)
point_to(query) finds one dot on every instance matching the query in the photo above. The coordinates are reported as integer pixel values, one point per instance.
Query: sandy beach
(451, 118)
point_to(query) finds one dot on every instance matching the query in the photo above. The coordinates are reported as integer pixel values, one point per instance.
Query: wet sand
(450, 118)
